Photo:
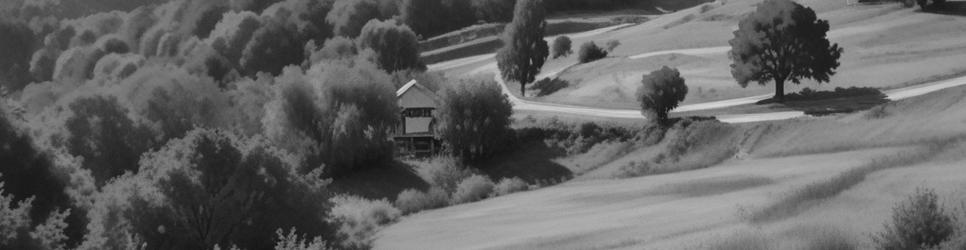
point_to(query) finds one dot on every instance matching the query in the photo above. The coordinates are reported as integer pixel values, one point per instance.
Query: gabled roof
(415, 85)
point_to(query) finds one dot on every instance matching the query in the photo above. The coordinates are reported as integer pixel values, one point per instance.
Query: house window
(418, 112)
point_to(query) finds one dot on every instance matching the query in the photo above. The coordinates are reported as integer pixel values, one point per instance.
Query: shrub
(474, 188)
(207, 189)
(589, 52)
(919, 221)
(474, 119)
(411, 200)
(510, 185)
(561, 47)
(660, 92)
(612, 44)
(443, 172)
(358, 219)
(292, 241)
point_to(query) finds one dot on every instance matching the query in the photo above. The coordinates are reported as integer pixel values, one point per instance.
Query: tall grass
(811, 194)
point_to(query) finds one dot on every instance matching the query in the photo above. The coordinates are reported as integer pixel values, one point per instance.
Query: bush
(474, 119)
(589, 52)
(411, 200)
(561, 47)
(207, 189)
(510, 185)
(919, 221)
(292, 241)
(474, 188)
(660, 92)
(443, 172)
(359, 219)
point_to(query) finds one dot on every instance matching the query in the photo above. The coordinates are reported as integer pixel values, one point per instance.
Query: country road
(528, 105)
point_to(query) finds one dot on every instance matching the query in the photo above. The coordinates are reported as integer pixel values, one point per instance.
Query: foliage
(660, 92)
(510, 185)
(589, 52)
(429, 18)
(341, 117)
(474, 118)
(396, 46)
(359, 219)
(209, 188)
(524, 50)
(919, 221)
(443, 172)
(18, 43)
(271, 48)
(494, 10)
(34, 181)
(473, 188)
(336, 48)
(782, 41)
(99, 130)
(292, 241)
(349, 16)
(411, 200)
(561, 47)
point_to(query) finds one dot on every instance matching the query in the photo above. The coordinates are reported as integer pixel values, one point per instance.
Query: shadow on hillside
(957, 8)
(531, 161)
(379, 183)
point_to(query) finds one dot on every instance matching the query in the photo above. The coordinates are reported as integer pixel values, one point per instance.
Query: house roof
(415, 85)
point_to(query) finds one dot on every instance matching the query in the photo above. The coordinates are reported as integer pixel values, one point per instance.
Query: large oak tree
(782, 41)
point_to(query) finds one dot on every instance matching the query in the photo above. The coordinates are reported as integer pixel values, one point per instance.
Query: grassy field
(886, 46)
(796, 184)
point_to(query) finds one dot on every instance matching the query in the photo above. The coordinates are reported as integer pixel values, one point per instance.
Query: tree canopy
(782, 41)
(660, 92)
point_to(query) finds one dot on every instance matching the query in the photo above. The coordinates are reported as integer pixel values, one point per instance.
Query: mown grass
(810, 195)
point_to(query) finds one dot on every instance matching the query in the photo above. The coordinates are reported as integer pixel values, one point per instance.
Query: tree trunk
(779, 90)
(523, 90)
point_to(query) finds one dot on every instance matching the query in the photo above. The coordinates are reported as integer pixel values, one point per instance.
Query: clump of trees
(561, 47)
(589, 52)
(660, 92)
(474, 119)
(524, 51)
(782, 41)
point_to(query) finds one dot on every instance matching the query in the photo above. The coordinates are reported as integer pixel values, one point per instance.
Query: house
(415, 133)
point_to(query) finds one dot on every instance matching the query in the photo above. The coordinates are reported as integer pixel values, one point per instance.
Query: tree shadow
(548, 86)
(957, 8)
(840, 100)
(532, 161)
(378, 183)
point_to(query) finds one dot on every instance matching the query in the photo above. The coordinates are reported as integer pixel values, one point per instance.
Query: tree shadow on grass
(957, 8)
(548, 86)
(841, 100)
(531, 161)
(381, 182)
